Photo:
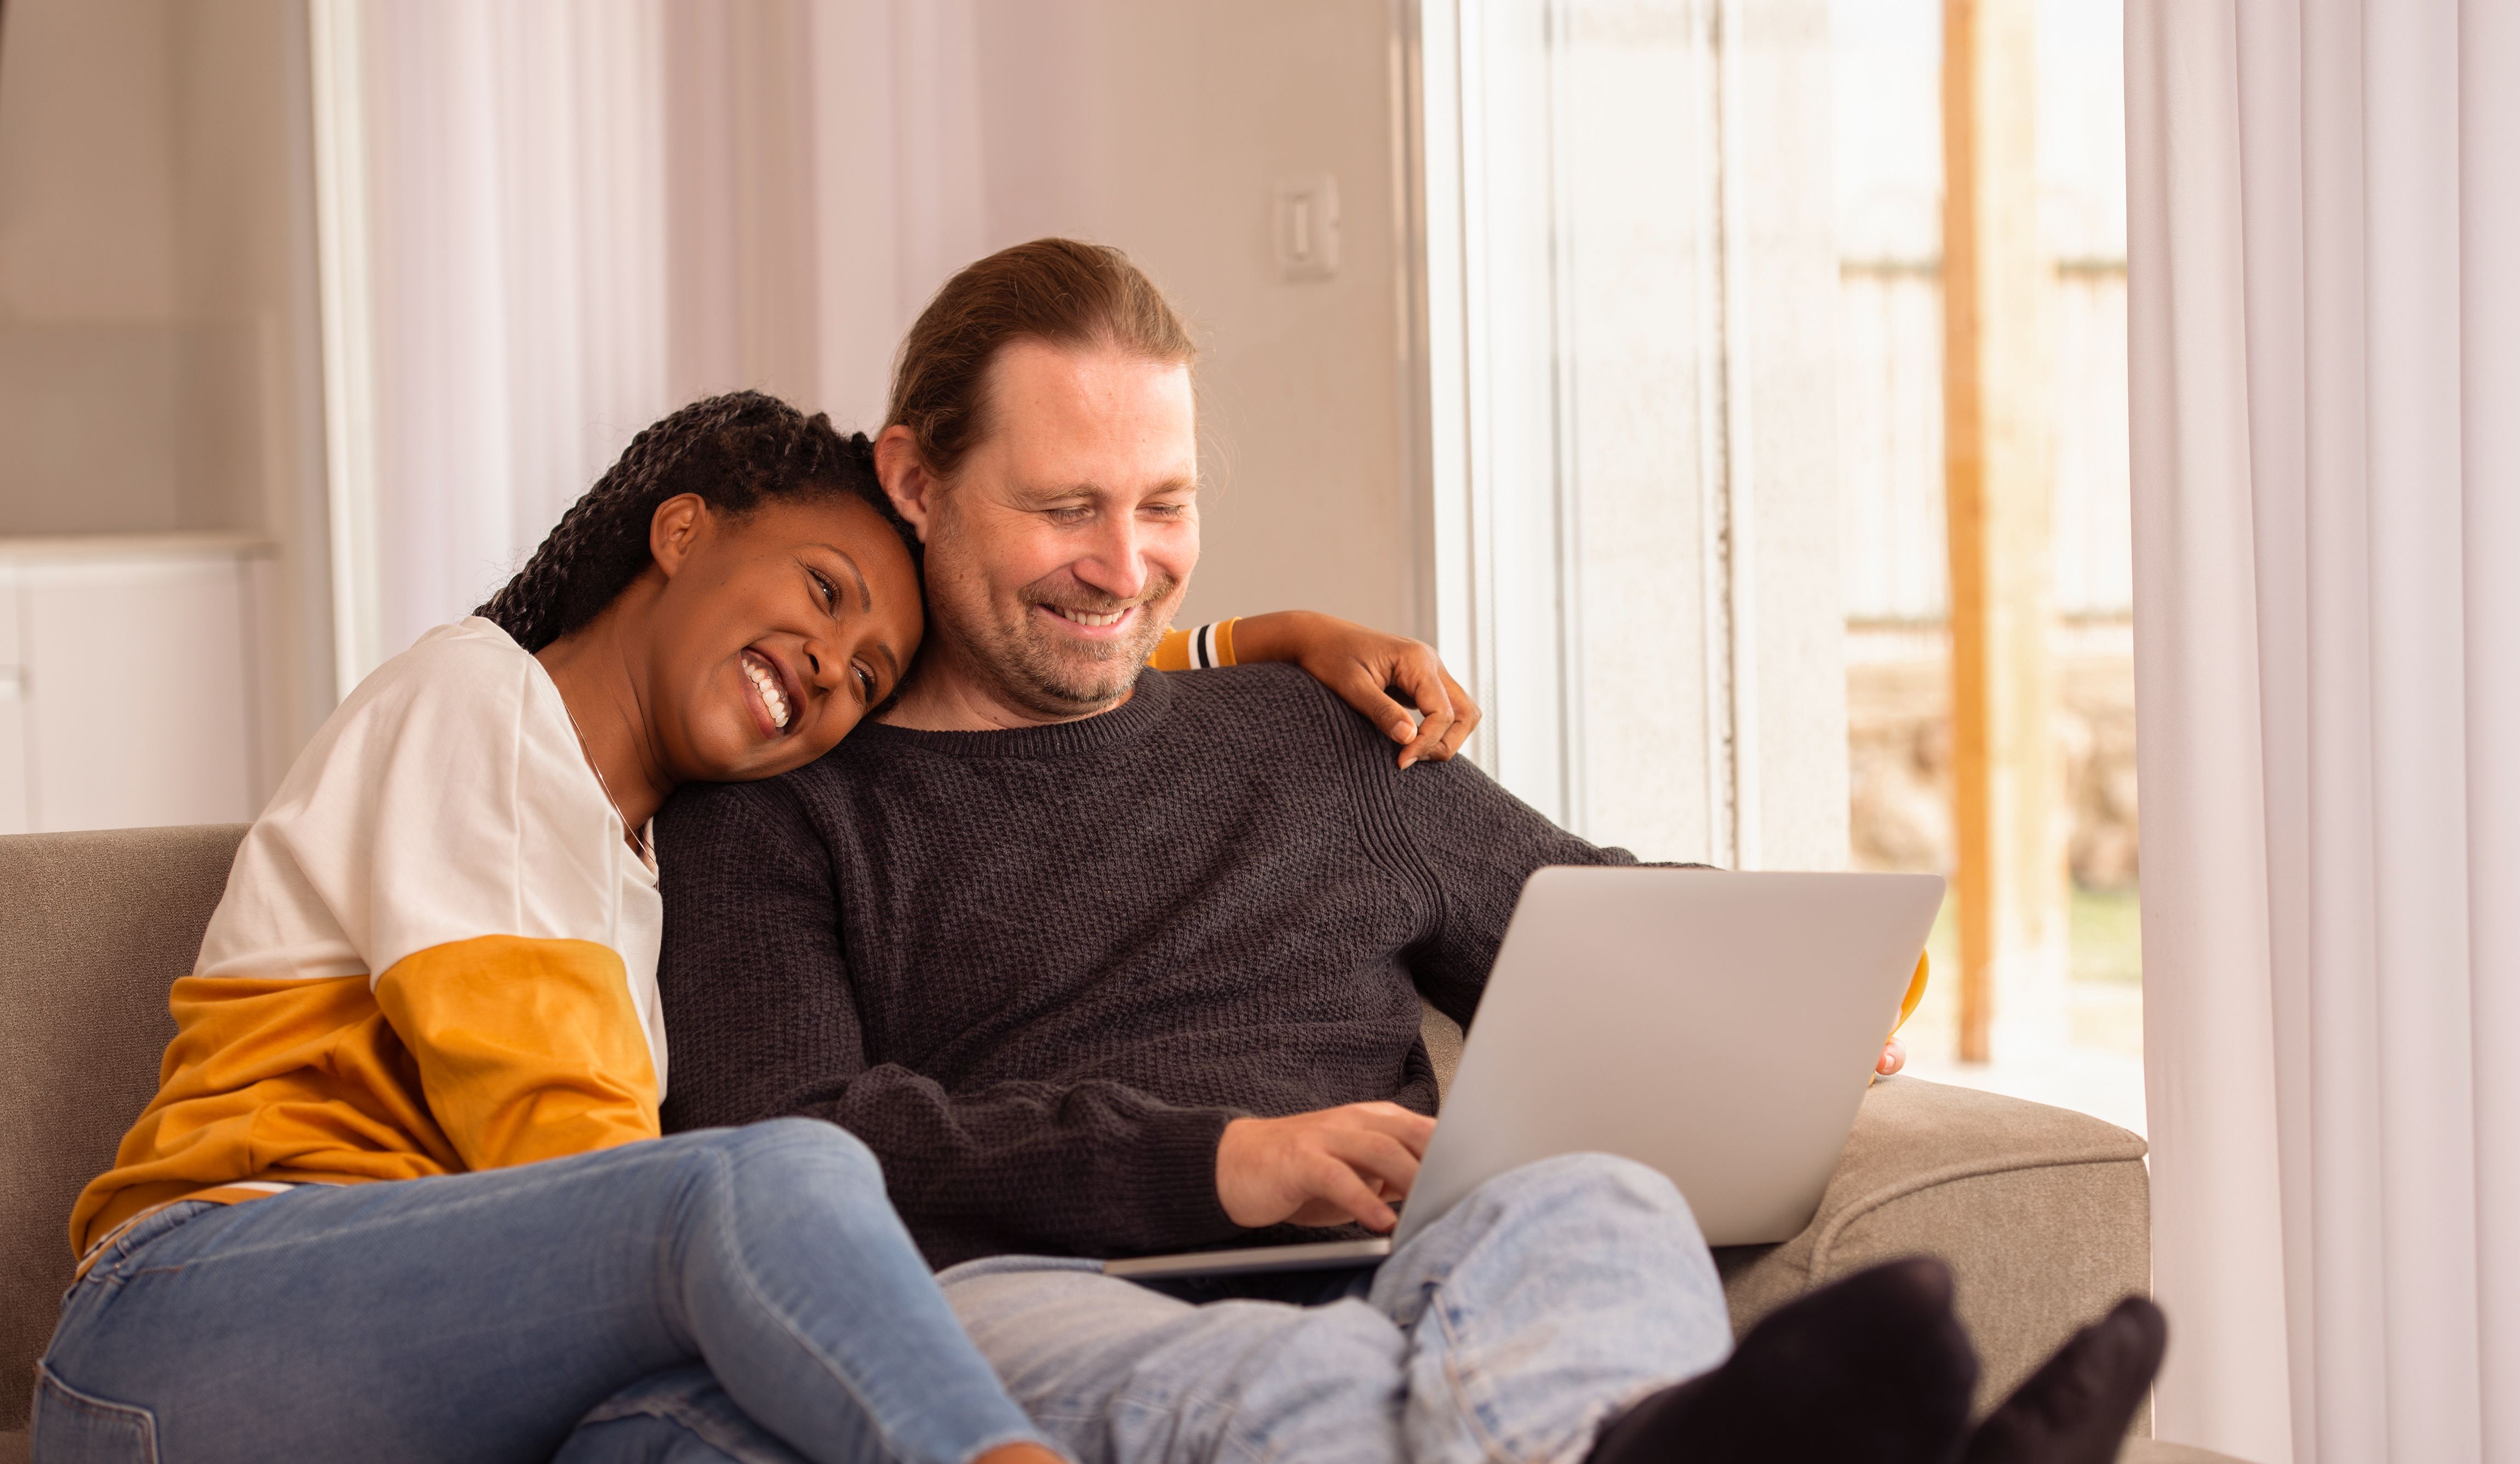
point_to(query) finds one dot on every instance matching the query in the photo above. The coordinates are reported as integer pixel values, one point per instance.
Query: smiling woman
(712, 601)
(435, 965)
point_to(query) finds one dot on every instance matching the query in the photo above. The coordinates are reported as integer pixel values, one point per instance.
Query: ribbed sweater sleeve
(766, 1022)
(1473, 845)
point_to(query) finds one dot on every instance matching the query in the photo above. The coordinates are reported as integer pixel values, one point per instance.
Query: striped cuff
(1212, 645)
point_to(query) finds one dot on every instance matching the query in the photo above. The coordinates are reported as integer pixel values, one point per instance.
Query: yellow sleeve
(299, 1077)
(1179, 651)
(528, 1048)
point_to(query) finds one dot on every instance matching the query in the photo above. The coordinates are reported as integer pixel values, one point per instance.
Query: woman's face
(775, 633)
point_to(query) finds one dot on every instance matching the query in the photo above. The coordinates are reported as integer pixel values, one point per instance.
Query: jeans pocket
(71, 1427)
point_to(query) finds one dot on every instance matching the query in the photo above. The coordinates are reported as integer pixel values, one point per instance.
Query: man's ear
(675, 530)
(905, 479)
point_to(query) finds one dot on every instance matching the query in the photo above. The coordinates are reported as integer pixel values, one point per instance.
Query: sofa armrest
(2044, 1215)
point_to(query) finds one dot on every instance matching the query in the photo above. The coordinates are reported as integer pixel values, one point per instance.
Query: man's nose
(1115, 562)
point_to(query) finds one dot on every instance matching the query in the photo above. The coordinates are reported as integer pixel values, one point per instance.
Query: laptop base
(1324, 1255)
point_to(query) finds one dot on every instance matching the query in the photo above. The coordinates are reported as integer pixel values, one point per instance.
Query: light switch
(1308, 227)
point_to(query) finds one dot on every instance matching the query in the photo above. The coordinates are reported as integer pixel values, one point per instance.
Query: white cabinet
(133, 677)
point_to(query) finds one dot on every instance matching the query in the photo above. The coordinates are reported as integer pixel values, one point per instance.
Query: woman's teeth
(1088, 617)
(767, 685)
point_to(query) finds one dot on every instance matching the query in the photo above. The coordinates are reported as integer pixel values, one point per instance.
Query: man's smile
(1092, 618)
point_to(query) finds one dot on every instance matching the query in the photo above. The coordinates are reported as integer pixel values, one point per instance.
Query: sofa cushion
(95, 928)
(2042, 1214)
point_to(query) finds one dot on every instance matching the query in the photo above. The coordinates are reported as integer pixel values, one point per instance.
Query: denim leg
(1119, 1374)
(678, 1417)
(1545, 1303)
(481, 1317)
(842, 1358)
(1548, 1300)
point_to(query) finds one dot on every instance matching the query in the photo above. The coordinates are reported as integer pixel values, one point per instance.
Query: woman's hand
(1363, 666)
(1894, 1056)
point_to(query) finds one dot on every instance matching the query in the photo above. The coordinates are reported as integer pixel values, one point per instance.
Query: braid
(733, 451)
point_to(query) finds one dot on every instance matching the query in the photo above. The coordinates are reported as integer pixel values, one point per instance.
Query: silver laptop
(1719, 1027)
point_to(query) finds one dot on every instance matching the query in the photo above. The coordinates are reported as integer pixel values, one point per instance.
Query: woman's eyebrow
(866, 597)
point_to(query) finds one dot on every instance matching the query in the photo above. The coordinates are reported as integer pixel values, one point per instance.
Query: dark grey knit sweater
(1036, 971)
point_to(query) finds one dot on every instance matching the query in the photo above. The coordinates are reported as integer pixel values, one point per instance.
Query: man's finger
(1413, 1130)
(1329, 1180)
(1379, 1156)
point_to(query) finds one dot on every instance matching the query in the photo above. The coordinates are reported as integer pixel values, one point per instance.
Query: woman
(391, 1200)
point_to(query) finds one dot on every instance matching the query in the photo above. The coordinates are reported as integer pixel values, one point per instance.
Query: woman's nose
(817, 656)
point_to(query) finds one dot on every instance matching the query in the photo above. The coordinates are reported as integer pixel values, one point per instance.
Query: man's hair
(735, 451)
(1055, 291)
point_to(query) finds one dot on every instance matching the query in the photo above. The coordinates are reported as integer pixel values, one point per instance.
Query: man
(1102, 962)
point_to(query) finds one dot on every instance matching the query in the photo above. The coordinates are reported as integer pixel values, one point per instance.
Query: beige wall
(1161, 127)
(158, 365)
(1173, 123)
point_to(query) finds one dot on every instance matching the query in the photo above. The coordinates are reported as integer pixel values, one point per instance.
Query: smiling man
(1056, 568)
(1104, 962)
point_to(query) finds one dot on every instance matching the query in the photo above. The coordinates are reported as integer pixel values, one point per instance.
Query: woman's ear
(675, 530)
(905, 479)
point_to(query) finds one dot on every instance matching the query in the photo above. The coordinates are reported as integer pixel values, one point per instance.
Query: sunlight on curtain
(2328, 646)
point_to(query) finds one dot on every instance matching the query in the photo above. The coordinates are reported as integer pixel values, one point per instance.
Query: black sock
(2075, 1409)
(1871, 1370)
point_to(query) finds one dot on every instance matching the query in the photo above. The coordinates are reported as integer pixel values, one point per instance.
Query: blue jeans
(1511, 1330)
(732, 1294)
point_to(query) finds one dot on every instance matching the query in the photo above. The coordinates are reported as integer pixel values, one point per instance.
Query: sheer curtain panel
(550, 222)
(2326, 347)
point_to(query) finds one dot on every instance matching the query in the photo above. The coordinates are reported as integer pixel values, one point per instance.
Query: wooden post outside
(1997, 483)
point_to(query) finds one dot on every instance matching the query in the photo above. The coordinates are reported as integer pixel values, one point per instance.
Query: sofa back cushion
(94, 928)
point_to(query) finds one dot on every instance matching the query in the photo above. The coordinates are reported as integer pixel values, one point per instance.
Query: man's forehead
(1094, 422)
(1097, 369)
(1036, 389)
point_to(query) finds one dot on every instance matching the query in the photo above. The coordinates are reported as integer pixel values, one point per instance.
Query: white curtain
(516, 187)
(2325, 345)
(576, 215)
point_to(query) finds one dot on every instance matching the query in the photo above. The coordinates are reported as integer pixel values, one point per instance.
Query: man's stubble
(1026, 663)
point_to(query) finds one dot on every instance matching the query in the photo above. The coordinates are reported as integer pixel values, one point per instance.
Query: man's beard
(1043, 671)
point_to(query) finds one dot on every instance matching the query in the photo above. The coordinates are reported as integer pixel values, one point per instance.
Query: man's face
(1062, 547)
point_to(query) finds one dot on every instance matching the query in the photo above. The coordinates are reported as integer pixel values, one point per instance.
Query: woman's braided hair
(734, 451)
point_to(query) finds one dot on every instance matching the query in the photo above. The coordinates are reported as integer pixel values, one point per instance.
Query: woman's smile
(775, 697)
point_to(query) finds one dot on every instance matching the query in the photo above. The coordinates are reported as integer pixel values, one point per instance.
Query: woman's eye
(866, 684)
(824, 588)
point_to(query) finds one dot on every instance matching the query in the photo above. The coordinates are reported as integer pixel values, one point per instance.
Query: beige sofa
(2040, 1213)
